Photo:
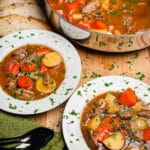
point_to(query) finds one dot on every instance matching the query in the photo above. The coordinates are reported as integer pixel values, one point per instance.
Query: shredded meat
(46, 78)
(20, 54)
(12, 84)
(135, 132)
(91, 6)
(145, 113)
(31, 57)
(92, 141)
(125, 112)
(25, 94)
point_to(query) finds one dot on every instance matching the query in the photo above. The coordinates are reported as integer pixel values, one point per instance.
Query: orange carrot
(146, 134)
(11, 67)
(42, 51)
(100, 25)
(24, 82)
(28, 67)
(15, 69)
(85, 24)
(110, 124)
(128, 98)
(7, 79)
(74, 6)
(43, 68)
(83, 2)
(105, 136)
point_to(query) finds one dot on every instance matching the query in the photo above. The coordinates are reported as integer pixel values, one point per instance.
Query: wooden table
(94, 64)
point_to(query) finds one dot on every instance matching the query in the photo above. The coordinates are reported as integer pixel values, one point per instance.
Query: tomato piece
(74, 6)
(42, 51)
(28, 67)
(109, 125)
(85, 24)
(70, 17)
(43, 69)
(146, 134)
(105, 136)
(82, 2)
(61, 2)
(11, 67)
(24, 82)
(7, 79)
(100, 25)
(128, 98)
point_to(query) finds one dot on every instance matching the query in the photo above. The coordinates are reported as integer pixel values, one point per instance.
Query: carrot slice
(83, 2)
(85, 24)
(110, 124)
(100, 25)
(128, 98)
(43, 68)
(42, 51)
(74, 6)
(146, 134)
(28, 67)
(24, 82)
(11, 67)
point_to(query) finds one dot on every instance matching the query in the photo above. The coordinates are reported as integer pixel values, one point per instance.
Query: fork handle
(8, 142)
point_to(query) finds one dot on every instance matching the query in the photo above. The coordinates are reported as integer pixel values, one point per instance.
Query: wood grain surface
(94, 64)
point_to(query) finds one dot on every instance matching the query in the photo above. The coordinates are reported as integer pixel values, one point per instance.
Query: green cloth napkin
(15, 125)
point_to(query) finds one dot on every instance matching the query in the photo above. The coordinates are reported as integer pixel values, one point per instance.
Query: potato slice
(140, 123)
(43, 88)
(94, 123)
(111, 103)
(115, 142)
(52, 59)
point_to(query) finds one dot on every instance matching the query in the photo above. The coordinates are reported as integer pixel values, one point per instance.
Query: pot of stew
(104, 25)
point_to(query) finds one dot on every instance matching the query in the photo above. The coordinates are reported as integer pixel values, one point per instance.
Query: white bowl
(72, 75)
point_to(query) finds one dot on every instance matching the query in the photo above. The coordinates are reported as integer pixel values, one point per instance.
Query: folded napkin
(15, 125)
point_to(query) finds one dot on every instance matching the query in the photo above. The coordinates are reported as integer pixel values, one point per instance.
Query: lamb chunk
(20, 53)
(12, 84)
(125, 112)
(31, 57)
(46, 78)
(144, 113)
(91, 6)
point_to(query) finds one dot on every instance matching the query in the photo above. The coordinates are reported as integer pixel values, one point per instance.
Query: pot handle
(73, 31)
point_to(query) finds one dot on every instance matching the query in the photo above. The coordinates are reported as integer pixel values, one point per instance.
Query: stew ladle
(34, 139)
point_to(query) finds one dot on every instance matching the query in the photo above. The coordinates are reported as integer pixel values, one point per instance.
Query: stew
(31, 72)
(109, 16)
(116, 121)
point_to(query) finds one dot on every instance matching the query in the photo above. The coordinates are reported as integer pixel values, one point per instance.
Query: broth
(111, 122)
(109, 16)
(30, 64)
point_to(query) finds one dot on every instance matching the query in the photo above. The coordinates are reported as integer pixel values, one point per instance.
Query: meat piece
(135, 132)
(24, 94)
(92, 142)
(31, 57)
(125, 112)
(46, 78)
(11, 67)
(28, 59)
(20, 53)
(144, 113)
(12, 84)
(91, 6)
